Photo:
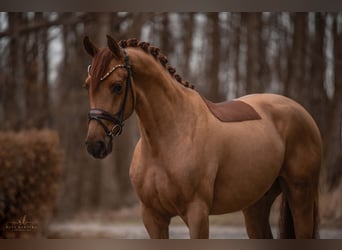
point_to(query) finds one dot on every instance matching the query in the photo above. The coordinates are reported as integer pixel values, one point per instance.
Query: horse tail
(286, 227)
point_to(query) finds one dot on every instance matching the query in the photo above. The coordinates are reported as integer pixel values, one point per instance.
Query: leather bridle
(117, 120)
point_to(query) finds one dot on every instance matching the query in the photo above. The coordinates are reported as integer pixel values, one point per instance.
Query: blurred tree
(296, 61)
(10, 101)
(315, 96)
(188, 22)
(255, 55)
(334, 131)
(215, 57)
(282, 44)
(71, 105)
(164, 33)
(236, 48)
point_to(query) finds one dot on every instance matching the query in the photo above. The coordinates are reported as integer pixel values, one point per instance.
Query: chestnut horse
(191, 164)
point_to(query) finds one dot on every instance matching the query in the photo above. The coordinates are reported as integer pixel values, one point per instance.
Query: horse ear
(114, 47)
(89, 46)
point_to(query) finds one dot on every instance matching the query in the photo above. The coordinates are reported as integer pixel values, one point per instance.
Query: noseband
(117, 120)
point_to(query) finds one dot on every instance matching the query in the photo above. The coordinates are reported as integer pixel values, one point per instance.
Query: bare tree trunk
(236, 49)
(138, 20)
(45, 117)
(282, 56)
(315, 91)
(74, 178)
(188, 33)
(334, 137)
(165, 35)
(254, 52)
(31, 85)
(10, 95)
(296, 61)
(214, 58)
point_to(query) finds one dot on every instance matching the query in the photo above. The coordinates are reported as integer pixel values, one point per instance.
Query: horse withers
(195, 158)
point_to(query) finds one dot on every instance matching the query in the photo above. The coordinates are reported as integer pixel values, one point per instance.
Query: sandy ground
(126, 224)
(136, 231)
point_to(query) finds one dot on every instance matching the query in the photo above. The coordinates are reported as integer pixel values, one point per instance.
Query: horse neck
(161, 103)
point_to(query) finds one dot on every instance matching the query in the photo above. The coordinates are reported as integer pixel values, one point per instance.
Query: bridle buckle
(116, 130)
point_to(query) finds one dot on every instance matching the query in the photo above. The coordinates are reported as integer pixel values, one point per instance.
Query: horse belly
(247, 170)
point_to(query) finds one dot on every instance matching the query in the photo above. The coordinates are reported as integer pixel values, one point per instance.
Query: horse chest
(165, 183)
(156, 189)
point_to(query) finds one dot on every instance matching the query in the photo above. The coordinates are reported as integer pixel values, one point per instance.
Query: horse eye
(116, 88)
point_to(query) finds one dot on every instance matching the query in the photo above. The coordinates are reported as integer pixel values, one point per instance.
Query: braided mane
(155, 52)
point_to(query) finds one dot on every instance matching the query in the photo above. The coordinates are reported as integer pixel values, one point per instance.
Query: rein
(117, 120)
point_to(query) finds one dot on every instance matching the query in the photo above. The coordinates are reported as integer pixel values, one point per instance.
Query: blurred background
(225, 55)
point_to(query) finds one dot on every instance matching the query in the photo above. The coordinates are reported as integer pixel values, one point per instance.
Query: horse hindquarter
(300, 170)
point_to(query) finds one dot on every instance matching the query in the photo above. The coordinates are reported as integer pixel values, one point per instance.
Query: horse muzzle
(99, 146)
(99, 149)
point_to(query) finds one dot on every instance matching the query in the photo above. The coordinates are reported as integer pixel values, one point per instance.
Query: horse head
(111, 95)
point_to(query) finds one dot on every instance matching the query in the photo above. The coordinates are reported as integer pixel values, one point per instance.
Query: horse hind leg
(257, 215)
(299, 179)
(299, 215)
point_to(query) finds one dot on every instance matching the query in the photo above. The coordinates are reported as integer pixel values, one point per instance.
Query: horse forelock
(99, 66)
(155, 52)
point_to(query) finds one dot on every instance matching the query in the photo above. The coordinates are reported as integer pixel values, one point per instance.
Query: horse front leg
(156, 224)
(197, 219)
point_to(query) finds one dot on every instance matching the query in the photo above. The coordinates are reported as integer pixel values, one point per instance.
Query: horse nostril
(97, 148)
(101, 145)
